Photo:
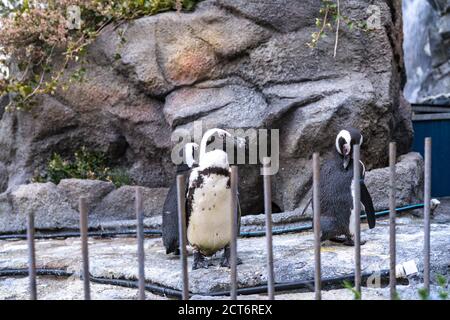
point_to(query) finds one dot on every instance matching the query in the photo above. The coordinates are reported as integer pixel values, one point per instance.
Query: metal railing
(271, 286)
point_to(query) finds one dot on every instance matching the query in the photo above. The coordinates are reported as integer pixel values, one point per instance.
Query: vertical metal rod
(181, 200)
(316, 221)
(140, 240)
(84, 246)
(31, 256)
(426, 214)
(234, 232)
(269, 243)
(357, 213)
(392, 248)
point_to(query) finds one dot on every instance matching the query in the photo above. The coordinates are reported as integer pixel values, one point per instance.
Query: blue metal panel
(439, 131)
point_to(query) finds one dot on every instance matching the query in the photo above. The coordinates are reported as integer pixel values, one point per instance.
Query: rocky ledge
(293, 258)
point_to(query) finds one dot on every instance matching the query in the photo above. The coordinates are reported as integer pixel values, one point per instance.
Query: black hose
(155, 232)
(39, 271)
(327, 283)
(153, 288)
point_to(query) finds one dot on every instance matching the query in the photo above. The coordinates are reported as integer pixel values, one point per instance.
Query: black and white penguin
(336, 191)
(170, 208)
(208, 204)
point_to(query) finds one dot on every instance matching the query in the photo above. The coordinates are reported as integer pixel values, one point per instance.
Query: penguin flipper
(366, 200)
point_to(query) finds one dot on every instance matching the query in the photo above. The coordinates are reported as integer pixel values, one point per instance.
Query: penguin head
(189, 157)
(345, 140)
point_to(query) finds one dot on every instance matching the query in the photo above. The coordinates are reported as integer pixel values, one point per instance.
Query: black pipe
(39, 271)
(153, 288)
(327, 283)
(155, 232)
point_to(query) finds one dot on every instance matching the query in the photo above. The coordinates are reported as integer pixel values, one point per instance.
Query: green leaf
(423, 293)
(441, 280)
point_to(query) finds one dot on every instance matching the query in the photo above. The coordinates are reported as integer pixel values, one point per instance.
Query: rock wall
(56, 206)
(231, 64)
(427, 51)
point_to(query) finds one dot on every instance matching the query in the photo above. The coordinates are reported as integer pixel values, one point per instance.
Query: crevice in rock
(233, 11)
(184, 120)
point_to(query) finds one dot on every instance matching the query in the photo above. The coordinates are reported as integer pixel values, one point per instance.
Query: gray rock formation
(231, 64)
(120, 203)
(409, 182)
(56, 206)
(427, 51)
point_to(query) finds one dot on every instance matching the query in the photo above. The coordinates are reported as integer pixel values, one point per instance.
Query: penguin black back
(336, 200)
(170, 234)
(336, 193)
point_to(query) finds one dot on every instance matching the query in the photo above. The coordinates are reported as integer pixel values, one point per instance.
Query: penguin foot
(225, 262)
(350, 242)
(200, 261)
(338, 240)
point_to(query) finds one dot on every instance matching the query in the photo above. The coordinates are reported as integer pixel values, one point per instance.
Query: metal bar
(234, 233)
(31, 256)
(140, 242)
(426, 214)
(84, 246)
(181, 200)
(357, 213)
(316, 222)
(430, 109)
(269, 243)
(392, 249)
(432, 116)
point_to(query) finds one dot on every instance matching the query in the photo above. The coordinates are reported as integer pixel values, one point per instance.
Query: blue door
(439, 131)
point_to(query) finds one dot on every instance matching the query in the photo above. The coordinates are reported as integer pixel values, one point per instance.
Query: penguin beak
(346, 161)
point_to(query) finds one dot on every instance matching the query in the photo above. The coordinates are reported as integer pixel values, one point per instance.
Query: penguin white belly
(209, 227)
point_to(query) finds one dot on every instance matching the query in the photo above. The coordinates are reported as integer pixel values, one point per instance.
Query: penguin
(208, 204)
(170, 208)
(336, 191)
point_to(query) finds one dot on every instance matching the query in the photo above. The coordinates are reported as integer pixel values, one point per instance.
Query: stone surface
(293, 257)
(93, 190)
(409, 182)
(51, 209)
(49, 288)
(120, 203)
(56, 206)
(405, 292)
(230, 64)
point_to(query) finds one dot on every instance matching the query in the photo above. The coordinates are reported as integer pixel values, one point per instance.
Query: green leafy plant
(442, 283)
(349, 286)
(330, 19)
(423, 293)
(40, 40)
(396, 296)
(86, 165)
